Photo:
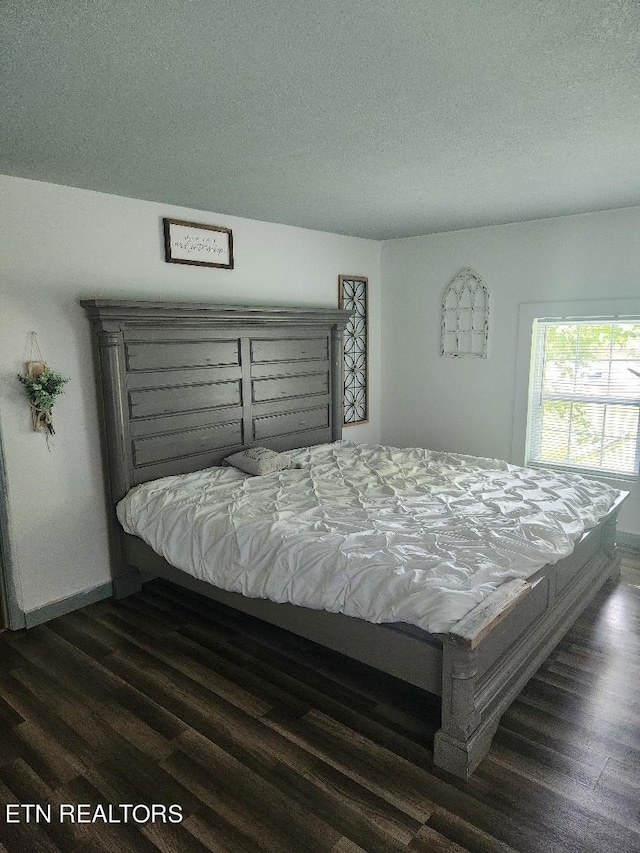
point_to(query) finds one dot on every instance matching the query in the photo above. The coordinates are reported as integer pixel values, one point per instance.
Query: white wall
(60, 245)
(467, 405)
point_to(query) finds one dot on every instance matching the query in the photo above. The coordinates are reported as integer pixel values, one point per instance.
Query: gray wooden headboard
(181, 385)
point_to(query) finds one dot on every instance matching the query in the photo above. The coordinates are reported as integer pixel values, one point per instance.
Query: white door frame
(12, 614)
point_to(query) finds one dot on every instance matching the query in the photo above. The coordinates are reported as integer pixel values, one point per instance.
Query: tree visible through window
(584, 403)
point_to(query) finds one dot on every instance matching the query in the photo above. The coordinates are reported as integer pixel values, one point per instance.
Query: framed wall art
(198, 245)
(465, 317)
(352, 295)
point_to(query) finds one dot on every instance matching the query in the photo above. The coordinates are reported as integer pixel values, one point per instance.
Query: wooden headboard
(181, 385)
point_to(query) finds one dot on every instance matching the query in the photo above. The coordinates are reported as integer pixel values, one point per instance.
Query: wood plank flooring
(269, 743)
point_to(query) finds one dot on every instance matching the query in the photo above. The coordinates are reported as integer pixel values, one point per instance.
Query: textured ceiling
(378, 119)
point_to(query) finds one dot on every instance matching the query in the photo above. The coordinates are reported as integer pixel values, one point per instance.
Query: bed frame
(182, 385)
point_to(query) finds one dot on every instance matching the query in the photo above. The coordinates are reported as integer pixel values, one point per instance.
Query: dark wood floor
(268, 742)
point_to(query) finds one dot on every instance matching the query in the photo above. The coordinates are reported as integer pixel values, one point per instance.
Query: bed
(181, 386)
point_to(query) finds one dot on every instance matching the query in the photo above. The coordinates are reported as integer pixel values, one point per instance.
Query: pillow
(258, 461)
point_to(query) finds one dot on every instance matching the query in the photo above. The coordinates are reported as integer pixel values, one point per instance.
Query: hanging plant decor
(42, 386)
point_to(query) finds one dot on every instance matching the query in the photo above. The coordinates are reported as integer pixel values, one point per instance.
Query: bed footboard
(490, 655)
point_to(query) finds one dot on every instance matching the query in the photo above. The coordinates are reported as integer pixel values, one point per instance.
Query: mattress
(385, 534)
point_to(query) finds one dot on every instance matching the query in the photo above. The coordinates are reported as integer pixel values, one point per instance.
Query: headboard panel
(182, 385)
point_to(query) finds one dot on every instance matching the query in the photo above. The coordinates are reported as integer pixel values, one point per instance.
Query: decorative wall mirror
(465, 317)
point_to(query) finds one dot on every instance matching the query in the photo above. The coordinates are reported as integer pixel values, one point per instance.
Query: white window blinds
(584, 395)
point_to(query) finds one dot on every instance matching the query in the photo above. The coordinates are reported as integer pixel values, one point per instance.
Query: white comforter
(380, 533)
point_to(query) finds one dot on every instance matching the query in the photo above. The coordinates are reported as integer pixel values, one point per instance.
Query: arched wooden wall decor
(465, 317)
(352, 295)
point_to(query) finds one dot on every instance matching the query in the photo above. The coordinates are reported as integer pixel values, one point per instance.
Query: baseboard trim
(66, 605)
(632, 540)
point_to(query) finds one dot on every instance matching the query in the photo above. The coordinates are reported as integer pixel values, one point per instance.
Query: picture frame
(198, 245)
(353, 295)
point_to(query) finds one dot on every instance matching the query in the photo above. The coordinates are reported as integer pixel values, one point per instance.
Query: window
(584, 395)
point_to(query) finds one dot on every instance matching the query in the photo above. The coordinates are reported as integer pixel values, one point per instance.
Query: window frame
(609, 310)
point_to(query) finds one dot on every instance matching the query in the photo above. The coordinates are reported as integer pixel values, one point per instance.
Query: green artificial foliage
(42, 391)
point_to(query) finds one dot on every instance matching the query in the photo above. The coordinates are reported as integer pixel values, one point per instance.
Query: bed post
(337, 409)
(111, 397)
(469, 721)
(609, 546)
(453, 747)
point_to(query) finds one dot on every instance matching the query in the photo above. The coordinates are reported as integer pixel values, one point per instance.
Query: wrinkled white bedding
(380, 533)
